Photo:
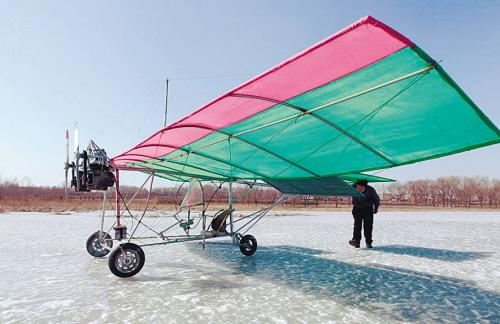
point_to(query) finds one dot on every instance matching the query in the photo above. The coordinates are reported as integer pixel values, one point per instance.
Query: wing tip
(377, 23)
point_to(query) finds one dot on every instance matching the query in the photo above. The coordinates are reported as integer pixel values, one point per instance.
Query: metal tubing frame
(168, 239)
(230, 203)
(103, 213)
(263, 212)
(182, 239)
(140, 188)
(135, 218)
(117, 197)
(139, 222)
(255, 218)
(171, 226)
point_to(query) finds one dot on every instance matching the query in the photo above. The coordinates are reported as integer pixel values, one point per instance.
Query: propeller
(72, 165)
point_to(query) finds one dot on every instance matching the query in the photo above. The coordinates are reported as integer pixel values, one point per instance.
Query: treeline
(441, 192)
(445, 192)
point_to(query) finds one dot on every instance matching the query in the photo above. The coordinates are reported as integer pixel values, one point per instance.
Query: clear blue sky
(104, 63)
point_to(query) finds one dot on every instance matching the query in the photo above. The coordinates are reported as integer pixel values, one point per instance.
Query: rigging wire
(118, 115)
(148, 114)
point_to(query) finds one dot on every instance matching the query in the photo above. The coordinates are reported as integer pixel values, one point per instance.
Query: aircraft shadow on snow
(397, 293)
(431, 253)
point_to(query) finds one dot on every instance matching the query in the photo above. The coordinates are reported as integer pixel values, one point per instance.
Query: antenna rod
(166, 105)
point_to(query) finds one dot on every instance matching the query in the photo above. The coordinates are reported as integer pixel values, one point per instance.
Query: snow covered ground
(425, 267)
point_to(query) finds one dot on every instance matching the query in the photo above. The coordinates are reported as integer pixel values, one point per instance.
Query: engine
(91, 170)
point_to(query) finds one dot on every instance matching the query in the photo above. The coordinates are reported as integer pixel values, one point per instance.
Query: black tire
(248, 245)
(126, 260)
(98, 246)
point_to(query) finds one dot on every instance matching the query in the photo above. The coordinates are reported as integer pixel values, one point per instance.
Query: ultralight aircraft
(366, 98)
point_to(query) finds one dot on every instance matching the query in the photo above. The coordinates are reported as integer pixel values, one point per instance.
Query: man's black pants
(362, 218)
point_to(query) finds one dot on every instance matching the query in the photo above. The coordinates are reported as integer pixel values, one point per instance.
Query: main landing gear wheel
(248, 245)
(99, 244)
(127, 260)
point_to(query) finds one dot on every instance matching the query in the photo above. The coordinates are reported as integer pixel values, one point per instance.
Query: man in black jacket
(362, 211)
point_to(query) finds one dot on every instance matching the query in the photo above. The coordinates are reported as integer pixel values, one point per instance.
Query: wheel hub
(97, 244)
(127, 262)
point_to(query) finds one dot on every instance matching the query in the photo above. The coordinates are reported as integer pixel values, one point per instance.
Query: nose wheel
(248, 245)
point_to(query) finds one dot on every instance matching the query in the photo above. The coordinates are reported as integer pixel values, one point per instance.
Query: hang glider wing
(366, 98)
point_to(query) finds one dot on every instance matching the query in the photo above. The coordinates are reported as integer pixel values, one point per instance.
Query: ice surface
(426, 267)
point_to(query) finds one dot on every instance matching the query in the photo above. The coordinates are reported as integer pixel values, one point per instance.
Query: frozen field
(425, 267)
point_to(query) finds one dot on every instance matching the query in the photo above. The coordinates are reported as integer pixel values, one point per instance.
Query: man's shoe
(354, 243)
(369, 245)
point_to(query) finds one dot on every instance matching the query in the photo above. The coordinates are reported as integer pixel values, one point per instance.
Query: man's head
(361, 185)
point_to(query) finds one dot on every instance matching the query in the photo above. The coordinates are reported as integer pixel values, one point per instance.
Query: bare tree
(494, 193)
(419, 191)
(398, 191)
(482, 190)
